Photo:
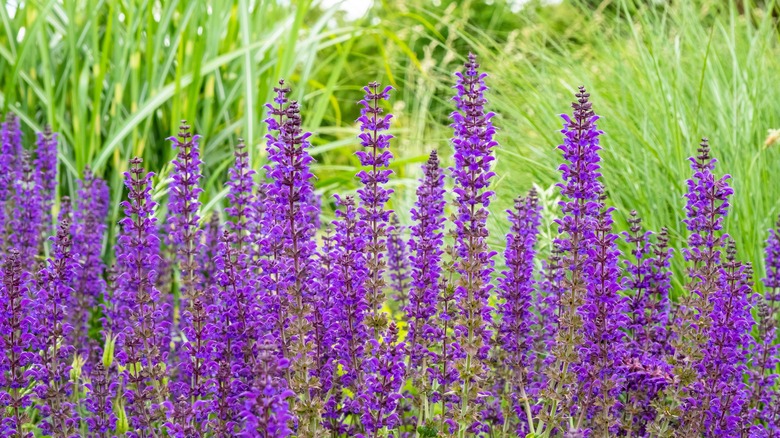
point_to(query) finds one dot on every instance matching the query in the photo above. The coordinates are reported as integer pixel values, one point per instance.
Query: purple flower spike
(346, 322)
(294, 204)
(28, 214)
(272, 240)
(98, 402)
(10, 135)
(266, 409)
(772, 259)
(425, 247)
(46, 173)
(234, 328)
(183, 205)
(374, 197)
(515, 289)
(54, 387)
(582, 202)
(397, 262)
(473, 143)
(88, 229)
(18, 330)
(146, 335)
(241, 185)
(385, 377)
(604, 316)
(647, 309)
(707, 205)
(724, 394)
(547, 301)
(764, 377)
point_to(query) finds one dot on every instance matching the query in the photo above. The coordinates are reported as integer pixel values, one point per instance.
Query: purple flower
(146, 334)
(88, 230)
(272, 241)
(385, 371)
(53, 370)
(547, 302)
(180, 417)
(46, 173)
(346, 322)
(208, 250)
(291, 193)
(706, 206)
(266, 409)
(10, 150)
(772, 259)
(582, 192)
(233, 325)
(183, 205)
(473, 143)
(320, 316)
(240, 195)
(398, 262)
(648, 282)
(638, 280)
(723, 392)
(373, 198)
(515, 289)
(425, 248)
(28, 214)
(18, 329)
(601, 355)
(101, 389)
(763, 376)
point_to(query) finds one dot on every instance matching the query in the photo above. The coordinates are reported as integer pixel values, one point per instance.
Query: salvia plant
(268, 321)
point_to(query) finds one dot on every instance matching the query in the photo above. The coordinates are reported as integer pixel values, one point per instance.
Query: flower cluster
(268, 319)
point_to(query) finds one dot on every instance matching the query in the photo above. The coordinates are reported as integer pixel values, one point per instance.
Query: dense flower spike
(292, 197)
(706, 206)
(28, 213)
(582, 201)
(183, 205)
(18, 331)
(764, 375)
(234, 318)
(723, 392)
(384, 378)
(602, 353)
(142, 346)
(271, 241)
(374, 196)
(53, 370)
(101, 390)
(397, 262)
(647, 284)
(473, 143)
(425, 247)
(547, 302)
(9, 131)
(515, 289)
(266, 409)
(241, 184)
(88, 229)
(46, 173)
(346, 323)
(772, 279)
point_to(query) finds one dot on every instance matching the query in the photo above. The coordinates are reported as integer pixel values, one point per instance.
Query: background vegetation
(115, 77)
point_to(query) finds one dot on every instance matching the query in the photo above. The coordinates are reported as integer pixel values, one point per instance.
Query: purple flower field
(278, 323)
